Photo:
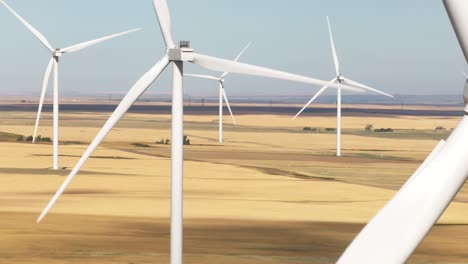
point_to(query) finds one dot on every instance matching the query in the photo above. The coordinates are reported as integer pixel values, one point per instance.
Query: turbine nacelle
(340, 78)
(57, 53)
(183, 53)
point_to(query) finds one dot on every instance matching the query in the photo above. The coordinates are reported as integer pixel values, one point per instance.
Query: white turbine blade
(426, 162)
(209, 77)
(354, 83)
(466, 75)
(228, 106)
(43, 93)
(217, 64)
(90, 43)
(133, 94)
(36, 33)
(335, 56)
(164, 18)
(457, 10)
(315, 97)
(238, 57)
(402, 224)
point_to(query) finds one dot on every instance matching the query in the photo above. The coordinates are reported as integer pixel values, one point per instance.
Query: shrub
(29, 139)
(440, 128)
(369, 127)
(46, 139)
(166, 141)
(38, 138)
(329, 129)
(20, 138)
(141, 145)
(311, 129)
(383, 130)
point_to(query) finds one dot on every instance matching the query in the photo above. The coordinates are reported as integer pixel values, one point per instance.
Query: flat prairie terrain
(271, 193)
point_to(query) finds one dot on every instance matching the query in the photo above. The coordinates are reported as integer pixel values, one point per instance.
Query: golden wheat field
(271, 193)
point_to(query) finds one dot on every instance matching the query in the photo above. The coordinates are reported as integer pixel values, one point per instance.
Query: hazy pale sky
(401, 47)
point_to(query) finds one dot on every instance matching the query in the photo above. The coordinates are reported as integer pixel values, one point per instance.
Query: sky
(400, 47)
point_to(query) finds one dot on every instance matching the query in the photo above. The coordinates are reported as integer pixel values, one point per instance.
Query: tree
(369, 127)
(29, 139)
(186, 140)
(20, 138)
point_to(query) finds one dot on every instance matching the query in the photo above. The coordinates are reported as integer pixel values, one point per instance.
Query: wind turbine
(340, 79)
(54, 64)
(177, 56)
(222, 92)
(401, 225)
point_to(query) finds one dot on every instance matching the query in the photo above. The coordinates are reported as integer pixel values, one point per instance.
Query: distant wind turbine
(177, 55)
(54, 63)
(340, 79)
(222, 92)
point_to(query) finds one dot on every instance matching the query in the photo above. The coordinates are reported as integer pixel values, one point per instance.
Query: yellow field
(271, 193)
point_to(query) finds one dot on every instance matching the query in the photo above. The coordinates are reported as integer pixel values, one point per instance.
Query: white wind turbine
(177, 56)
(340, 79)
(401, 225)
(222, 92)
(54, 63)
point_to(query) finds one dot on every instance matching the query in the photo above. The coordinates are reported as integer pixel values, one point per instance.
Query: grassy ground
(271, 193)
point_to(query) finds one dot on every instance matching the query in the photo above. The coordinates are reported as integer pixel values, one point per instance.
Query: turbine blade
(466, 75)
(354, 83)
(202, 76)
(426, 162)
(228, 106)
(237, 58)
(456, 11)
(90, 43)
(315, 97)
(133, 94)
(35, 32)
(335, 56)
(43, 93)
(164, 18)
(217, 64)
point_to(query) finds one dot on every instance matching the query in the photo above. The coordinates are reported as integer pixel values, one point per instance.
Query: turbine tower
(177, 55)
(398, 228)
(340, 79)
(54, 65)
(222, 93)
(465, 92)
